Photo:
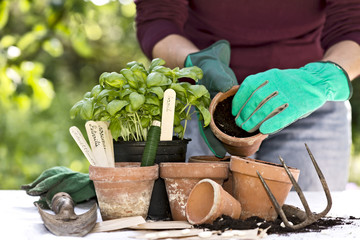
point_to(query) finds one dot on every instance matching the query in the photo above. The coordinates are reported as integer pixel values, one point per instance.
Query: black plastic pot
(168, 151)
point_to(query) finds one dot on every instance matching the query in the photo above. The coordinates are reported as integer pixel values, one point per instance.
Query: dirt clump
(227, 223)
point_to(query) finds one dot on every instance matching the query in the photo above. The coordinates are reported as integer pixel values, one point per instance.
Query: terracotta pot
(249, 191)
(208, 201)
(180, 178)
(227, 185)
(235, 146)
(125, 190)
(167, 151)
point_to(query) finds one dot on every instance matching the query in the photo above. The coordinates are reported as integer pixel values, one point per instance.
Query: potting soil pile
(276, 227)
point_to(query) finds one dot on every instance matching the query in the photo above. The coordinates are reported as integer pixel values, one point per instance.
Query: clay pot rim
(171, 169)
(209, 158)
(216, 196)
(215, 129)
(268, 170)
(123, 171)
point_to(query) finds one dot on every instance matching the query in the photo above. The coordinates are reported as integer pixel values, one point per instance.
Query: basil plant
(130, 100)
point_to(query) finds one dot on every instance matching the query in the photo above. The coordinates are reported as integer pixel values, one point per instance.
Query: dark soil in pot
(225, 121)
(224, 223)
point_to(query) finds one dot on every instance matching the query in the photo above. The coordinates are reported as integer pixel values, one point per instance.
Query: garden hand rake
(306, 217)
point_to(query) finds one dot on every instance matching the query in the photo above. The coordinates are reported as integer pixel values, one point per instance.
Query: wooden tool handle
(63, 206)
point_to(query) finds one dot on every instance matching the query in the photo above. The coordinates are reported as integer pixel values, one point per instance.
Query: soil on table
(225, 121)
(227, 223)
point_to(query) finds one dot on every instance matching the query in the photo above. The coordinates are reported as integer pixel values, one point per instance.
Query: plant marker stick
(83, 145)
(104, 134)
(152, 142)
(96, 144)
(110, 136)
(167, 119)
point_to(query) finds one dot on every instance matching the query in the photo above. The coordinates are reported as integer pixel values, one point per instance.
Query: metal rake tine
(296, 187)
(323, 183)
(275, 203)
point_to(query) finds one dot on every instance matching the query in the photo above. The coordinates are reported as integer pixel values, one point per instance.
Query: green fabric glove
(218, 77)
(274, 99)
(211, 141)
(60, 179)
(214, 62)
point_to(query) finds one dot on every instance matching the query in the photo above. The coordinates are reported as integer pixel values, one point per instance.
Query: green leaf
(155, 111)
(115, 128)
(125, 92)
(128, 74)
(152, 100)
(136, 100)
(198, 90)
(115, 105)
(87, 109)
(75, 110)
(180, 91)
(194, 73)
(179, 129)
(205, 114)
(87, 95)
(145, 122)
(156, 79)
(156, 62)
(158, 91)
(139, 72)
(164, 70)
(176, 118)
(96, 90)
(129, 65)
(107, 93)
(112, 79)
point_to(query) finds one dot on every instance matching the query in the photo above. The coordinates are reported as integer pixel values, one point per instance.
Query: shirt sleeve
(156, 19)
(342, 22)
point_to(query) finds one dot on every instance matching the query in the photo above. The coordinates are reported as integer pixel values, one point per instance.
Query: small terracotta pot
(124, 190)
(180, 178)
(243, 147)
(227, 185)
(208, 201)
(250, 192)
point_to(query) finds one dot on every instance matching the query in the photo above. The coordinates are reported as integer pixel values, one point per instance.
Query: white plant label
(96, 143)
(83, 145)
(167, 119)
(106, 139)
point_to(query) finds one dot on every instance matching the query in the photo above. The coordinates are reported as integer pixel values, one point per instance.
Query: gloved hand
(274, 99)
(214, 62)
(218, 77)
(60, 179)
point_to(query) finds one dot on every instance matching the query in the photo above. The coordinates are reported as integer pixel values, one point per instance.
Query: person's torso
(263, 33)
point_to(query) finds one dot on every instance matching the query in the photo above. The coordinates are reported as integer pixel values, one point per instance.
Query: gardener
(314, 43)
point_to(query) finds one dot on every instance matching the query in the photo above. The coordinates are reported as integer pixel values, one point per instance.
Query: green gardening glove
(60, 179)
(214, 62)
(274, 99)
(218, 77)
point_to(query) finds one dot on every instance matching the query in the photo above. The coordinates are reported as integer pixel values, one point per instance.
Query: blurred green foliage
(51, 51)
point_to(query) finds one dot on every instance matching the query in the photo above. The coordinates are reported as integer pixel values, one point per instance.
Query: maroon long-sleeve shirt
(263, 34)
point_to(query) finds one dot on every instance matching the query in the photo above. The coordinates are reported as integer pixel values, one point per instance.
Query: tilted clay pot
(180, 178)
(124, 190)
(208, 201)
(235, 146)
(250, 192)
(227, 185)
